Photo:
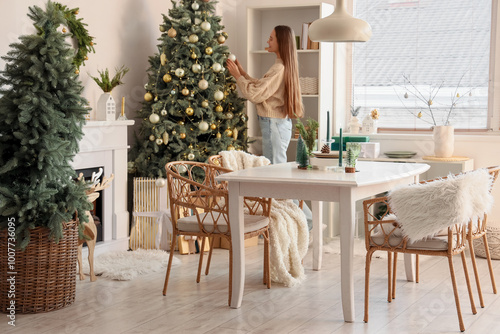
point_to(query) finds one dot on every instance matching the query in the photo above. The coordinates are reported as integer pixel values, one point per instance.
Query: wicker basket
(493, 236)
(45, 272)
(308, 86)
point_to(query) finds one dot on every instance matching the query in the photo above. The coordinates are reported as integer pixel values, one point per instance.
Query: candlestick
(327, 126)
(122, 116)
(341, 147)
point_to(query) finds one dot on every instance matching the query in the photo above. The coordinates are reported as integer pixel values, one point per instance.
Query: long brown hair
(288, 53)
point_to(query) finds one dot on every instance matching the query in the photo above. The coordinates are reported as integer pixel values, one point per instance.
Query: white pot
(354, 125)
(444, 141)
(106, 108)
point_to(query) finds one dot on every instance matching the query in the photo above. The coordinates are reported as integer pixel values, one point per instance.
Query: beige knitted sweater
(266, 93)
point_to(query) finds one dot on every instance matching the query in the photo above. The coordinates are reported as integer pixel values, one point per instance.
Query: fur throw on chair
(424, 209)
(289, 233)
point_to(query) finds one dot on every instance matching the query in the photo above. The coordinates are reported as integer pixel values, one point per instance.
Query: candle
(341, 147)
(327, 126)
(123, 106)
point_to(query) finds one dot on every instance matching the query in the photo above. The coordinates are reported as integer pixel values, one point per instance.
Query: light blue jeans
(276, 135)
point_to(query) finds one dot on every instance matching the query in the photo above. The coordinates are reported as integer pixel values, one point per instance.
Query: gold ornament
(172, 32)
(148, 97)
(165, 138)
(225, 34)
(86, 58)
(419, 115)
(193, 38)
(163, 59)
(218, 135)
(185, 91)
(204, 103)
(209, 50)
(230, 148)
(235, 134)
(162, 28)
(167, 78)
(193, 55)
(181, 122)
(77, 72)
(213, 126)
(429, 102)
(189, 111)
(64, 30)
(228, 132)
(221, 39)
(182, 135)
(218, 108)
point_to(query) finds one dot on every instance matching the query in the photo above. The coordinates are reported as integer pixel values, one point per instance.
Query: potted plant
(41, 205)
(354, 124)
(106, 106)
(307, 136)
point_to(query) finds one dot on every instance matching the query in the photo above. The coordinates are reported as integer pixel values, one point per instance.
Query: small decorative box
(369, 150)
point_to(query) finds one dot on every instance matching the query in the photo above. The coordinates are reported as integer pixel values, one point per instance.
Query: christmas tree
(191, 109)
(41, 118)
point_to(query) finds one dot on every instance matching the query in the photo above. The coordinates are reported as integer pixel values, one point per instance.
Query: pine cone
(325, 148)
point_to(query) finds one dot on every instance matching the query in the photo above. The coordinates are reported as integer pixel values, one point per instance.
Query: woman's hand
(233, 68)
(242, 71)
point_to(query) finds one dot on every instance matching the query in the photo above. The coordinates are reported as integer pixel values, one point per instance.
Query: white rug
(333, 247)
(126, 265)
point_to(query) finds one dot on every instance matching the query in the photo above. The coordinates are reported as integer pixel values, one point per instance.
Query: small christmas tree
(302, 157)
(41, 118)
(191, 109)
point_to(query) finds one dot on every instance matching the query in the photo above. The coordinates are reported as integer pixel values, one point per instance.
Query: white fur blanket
(289, 234)
(423, 210)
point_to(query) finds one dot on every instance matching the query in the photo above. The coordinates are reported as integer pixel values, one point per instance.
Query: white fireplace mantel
(105, 144)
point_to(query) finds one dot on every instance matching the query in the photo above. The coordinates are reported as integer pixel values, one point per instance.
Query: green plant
(353, 150)
(308, 133)
(302, 158)
(355, 111)
(108, 84)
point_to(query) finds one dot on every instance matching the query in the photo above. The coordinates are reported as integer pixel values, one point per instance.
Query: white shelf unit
(260, 21)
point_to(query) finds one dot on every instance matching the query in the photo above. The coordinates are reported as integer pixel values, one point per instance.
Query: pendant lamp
(340, 26)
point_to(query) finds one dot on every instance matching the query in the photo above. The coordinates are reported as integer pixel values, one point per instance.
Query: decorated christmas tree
(41, 118)
(191, 109)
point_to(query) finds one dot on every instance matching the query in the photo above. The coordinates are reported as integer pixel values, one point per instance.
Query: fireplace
(104, 145)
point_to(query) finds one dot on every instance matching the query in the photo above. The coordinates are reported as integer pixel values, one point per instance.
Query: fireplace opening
(97, 211)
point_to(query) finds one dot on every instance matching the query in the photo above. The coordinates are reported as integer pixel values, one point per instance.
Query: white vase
(354, 125)
(444, 141)
(106, 108)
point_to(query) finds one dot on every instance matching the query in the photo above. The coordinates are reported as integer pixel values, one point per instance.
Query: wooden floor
(138, 306)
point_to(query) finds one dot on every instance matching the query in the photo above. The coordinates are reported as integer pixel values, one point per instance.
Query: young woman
(277, 95)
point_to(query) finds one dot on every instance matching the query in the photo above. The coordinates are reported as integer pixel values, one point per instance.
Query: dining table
(318, 185)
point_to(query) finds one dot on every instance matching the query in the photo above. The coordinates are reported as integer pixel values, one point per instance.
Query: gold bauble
(235, 134)
(86, 58)
(185, 91)
(172, 32)
(228, 132)
(213, 126)
(204, 103)
(230, 148)
(181, 122)
(225, 34)
(419, 115)
(209, 50)
(64, 30)
(163, 59)
(77, 72)
(148, 97)
(193, 55)
(218, 108)
(162, 28)
(189, 111)
(221, 39)
(218, 135)
(182, 135)
(167, 78)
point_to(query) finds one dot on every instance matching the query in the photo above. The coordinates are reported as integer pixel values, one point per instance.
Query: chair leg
(367, 282)
(490, 266)
(476, 275)
(394, 275)
(170, 258)
(417, 269)
(455, 292)
(267, 263)
(389, 276)
(230, 274)
(207, 269)
(467, 280)
(200, 263)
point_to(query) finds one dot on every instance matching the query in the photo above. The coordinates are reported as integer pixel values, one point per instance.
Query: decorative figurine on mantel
(370, 122)
(106, 106)
(354, 124)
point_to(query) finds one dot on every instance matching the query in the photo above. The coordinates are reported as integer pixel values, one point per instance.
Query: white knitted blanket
(289, 234)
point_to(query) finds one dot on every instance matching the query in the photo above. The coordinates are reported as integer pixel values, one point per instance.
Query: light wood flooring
(138, 306)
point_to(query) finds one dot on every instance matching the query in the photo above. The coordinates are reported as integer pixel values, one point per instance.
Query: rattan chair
(383, 232)
(199, 207)
(476, 230)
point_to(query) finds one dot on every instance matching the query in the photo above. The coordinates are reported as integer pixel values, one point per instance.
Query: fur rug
(127, 265)
(289, 233)
(425, 209)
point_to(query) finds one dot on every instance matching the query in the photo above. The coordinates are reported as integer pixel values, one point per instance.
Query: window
(425, 58)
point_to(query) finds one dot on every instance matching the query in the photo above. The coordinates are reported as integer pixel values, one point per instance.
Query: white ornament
(159, 141)
(146, 86)
(190, 156)
(203, 84)
(229, 115)
(204, 104)
(154, 118)
(197, 21)
(203, 126)
(193, 38)
(217, 67)
(205, 26)
(160, 183)
(196, 68)
(163, 112)
(232, 57)
(152, 138)
(165, 138)
(195, 6)
(218, 95)
(179, 72)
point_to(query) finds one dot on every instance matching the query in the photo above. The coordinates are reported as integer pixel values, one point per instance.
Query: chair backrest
(193, 190)
(215, 160)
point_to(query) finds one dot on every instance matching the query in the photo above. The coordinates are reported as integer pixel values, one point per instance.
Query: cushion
(190, 223)
(432, 243)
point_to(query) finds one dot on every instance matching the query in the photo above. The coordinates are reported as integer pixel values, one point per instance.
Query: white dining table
(287, 181)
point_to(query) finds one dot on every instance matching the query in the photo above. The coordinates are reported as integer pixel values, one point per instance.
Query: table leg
(236, 222)
(409, 267)
(347, 214)
(317, 232)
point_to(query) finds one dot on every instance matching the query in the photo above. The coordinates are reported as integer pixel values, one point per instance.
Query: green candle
(341, 147)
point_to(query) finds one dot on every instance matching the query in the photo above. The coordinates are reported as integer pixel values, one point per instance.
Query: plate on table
(400, 154)
(318, 154)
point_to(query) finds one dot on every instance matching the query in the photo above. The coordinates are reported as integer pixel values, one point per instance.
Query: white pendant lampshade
(340, 26)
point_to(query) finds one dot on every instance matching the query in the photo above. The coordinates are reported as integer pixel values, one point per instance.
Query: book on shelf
(306, 42)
